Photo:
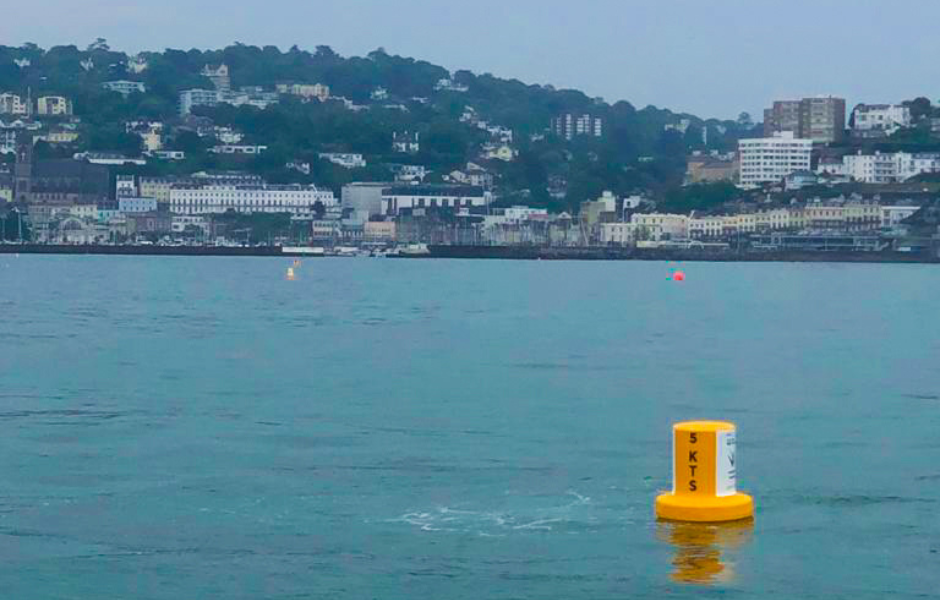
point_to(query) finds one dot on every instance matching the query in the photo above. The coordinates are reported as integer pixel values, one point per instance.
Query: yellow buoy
(704, 476)
(290, 274)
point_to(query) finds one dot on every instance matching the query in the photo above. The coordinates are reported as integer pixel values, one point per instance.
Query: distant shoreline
(675, 255)
(494, 253)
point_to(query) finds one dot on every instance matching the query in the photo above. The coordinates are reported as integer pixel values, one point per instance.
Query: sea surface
(180, 428)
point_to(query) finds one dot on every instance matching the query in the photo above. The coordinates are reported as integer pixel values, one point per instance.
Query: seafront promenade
(490, 253)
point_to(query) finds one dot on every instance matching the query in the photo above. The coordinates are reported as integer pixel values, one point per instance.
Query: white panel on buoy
(725, 477)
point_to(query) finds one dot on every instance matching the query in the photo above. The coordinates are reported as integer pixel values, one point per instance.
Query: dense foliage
(639, 151)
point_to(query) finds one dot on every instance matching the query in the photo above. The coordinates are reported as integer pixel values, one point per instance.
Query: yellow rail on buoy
(704, 476)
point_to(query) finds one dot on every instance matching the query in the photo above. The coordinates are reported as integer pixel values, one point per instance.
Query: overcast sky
(713, 58)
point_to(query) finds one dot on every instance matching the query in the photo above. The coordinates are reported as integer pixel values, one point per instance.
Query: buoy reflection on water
(704, 552)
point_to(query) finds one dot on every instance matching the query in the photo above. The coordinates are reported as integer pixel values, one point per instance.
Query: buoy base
(712, 510)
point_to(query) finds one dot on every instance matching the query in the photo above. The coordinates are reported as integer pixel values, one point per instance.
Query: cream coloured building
(53, 106)
(197, 199)
(659, 226)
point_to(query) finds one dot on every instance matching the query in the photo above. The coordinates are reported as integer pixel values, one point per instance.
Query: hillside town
(810, 177)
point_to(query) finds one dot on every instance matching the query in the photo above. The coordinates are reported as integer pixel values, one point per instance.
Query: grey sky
(711, 58)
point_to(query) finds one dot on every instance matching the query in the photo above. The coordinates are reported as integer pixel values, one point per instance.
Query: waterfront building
(125, 88)
(411, 197)
(179, 223)
(619, 234)
(892, 216)
(365, 196)
(57, 182)
(378, 232)
(769, 160)
(53, 106)
(210, 198)
(658, 226)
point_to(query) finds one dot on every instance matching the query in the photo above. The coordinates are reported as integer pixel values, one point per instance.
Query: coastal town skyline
(627, 57)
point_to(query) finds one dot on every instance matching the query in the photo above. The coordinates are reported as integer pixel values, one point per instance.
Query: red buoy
(678, 276)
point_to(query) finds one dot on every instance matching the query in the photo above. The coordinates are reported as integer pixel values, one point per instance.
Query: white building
(53, 106)
(449, 85)
(125, 88)
(345, 160)
(11, 104)
(306, 91)
(621, 234)
(192, 98)
(236, 149)
(891, 216)
(659, 226)
(411, 197)
(406, 142)
(769, 160)
(890, 167)
(409, 173)
(166, 154)
(881, 117)
(298, 200)
(108, 158)
(219, 76)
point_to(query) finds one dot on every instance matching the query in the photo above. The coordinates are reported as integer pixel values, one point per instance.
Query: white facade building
(621, 234)
(11, 104)
(306, 91)
(410, 197)
(192, 98)
(880, 117)
(769, 160)
(235, 149)
(345, 160)
(889, 168)
(891, 216)
(125, 88)
(298, 200)
(659, 226)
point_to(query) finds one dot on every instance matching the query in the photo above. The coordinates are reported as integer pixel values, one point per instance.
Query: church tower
(23, 170)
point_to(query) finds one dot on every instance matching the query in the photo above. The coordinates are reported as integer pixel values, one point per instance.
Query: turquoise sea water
(201, 428)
